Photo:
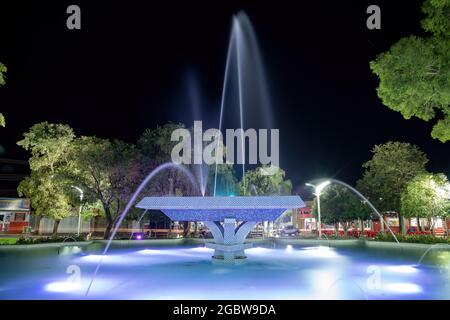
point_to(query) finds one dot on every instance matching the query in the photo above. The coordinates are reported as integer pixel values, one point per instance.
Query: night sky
(130, 65)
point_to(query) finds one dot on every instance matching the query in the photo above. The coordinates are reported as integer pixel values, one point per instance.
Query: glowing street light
(318, 189)
(79, 211)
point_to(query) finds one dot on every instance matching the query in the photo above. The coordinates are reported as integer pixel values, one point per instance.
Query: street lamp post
(318, 189)
(79, 210)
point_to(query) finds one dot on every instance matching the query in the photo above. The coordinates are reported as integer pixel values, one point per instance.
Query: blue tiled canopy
(260, 208)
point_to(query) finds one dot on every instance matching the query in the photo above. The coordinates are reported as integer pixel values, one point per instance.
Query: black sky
(126, 70)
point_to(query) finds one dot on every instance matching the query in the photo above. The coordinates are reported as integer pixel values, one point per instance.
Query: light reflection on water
(288, 272)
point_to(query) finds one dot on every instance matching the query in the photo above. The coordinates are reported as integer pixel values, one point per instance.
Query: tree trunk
(37, 225)
(186, 228)
(419, 228)
(444, 224)
(95, 224)
(55, 228)
(336, 228)
(444, 221)
(431, 223)
(401, 224)
(109, 224)
(345, 225)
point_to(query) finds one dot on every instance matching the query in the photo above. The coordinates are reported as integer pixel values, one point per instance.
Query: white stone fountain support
(229, 243)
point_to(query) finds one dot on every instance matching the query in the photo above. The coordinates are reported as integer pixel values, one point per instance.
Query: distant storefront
(14, 215)
(304, 220)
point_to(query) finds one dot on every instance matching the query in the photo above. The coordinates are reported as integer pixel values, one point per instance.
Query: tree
(340, 205)
(107, 172)
(437, 21)
(156, 147)
(49, 198)
(49, 145)
(156, 144)
(414, 73)
(425, 197)
(2, 83)
(258, 183)
(387, 174)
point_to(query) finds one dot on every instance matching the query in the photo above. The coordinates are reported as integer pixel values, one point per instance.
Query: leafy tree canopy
(386, 175)
(156, 144)
(49, 144)
(107, 171)
(339, 205)
(415, 73)
(47, 186)
(48, 195)
(438, 17)
(257, 182)
(426, 196)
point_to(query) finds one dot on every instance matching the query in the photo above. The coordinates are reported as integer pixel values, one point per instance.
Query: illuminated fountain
(222, 214)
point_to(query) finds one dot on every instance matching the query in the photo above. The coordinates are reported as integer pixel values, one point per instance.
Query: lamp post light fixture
(318, 189)
(79, 210)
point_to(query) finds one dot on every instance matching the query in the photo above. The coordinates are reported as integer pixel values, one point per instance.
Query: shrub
(8, 241)
(28, 240)
(426, 239)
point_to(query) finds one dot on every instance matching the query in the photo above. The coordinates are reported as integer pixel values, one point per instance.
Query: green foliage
(29, 240)
(92, 209)
(415, 73)
(2, 120)
(156, 144)
(48, 196)
(8, 241)
(47, 186)
(49, 144)
(106, 172)
(441, 129)
(339, 205)
(257, 182)
(414, 77)
(438, 17)
(386, 175)
(425, 196)
(426, 239)
(3, 70)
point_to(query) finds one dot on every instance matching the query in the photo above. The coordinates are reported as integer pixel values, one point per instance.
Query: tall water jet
(201, 174)
(244, 83)
(193, 96)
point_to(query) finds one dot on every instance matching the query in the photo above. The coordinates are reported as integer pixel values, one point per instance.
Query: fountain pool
(181, 269)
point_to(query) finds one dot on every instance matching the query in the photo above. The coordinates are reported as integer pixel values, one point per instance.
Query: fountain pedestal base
(229, 243)
(229, 253)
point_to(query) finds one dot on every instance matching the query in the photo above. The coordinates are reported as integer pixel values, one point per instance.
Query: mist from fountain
(194, 101)
(244, 82)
